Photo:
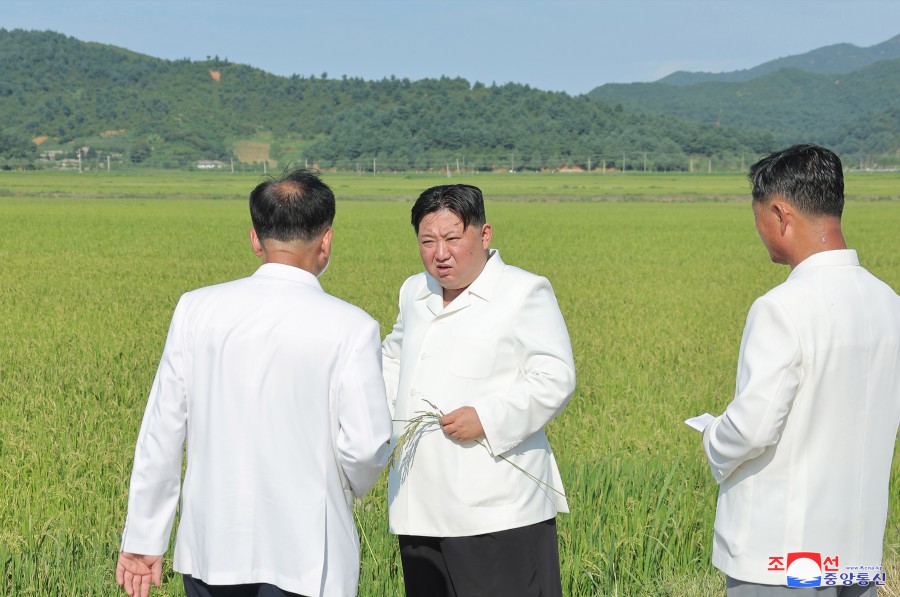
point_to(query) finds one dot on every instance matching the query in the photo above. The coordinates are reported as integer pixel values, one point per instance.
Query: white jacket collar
(287, 272)
(483, 286)
(837, 257)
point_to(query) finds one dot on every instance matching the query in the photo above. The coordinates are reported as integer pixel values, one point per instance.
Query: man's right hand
(463, 425)
(135, 572)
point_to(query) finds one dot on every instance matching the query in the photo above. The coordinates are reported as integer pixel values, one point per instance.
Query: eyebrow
(441, 234)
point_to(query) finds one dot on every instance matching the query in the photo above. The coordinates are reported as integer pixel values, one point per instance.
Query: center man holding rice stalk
(478, 362)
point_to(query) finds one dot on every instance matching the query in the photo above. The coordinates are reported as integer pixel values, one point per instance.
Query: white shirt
(803, 453)
(501, 347)
(277, 387)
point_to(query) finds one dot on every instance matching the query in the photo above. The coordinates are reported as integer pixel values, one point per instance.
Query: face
(768, 226)
(452, 255)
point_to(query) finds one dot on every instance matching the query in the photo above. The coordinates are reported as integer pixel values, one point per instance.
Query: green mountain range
(840, 96)
(63, 94)
(61, 97)
(834, 59)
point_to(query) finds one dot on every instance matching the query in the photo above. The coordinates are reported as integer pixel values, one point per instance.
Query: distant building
(210, 165)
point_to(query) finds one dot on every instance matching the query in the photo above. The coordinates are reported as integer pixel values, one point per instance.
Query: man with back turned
(277, 388)
(803, 452)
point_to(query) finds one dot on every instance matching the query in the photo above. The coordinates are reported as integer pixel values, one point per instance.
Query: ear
(325, 247)
(487, 233)
(784, 212)
(256, 243)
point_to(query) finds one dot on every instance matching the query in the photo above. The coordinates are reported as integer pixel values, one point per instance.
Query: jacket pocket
(473, 356)
(733, 512)
(483, 480)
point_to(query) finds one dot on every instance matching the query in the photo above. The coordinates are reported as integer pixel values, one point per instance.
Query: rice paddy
(654, 276)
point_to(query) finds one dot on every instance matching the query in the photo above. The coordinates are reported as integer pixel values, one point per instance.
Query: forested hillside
(855, 113)
(60, 93)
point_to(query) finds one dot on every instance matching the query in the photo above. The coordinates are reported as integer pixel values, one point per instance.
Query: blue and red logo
(804, 569)
(811, 569)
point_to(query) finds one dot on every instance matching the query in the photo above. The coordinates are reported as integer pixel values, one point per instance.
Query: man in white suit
(278, 388)
(485, 344)
(803, 452)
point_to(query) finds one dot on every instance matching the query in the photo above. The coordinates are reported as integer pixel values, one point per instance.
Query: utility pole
(710, 165)
(623, 163)
(512, 163)
(107, 163)
(589, 164)
(79, 160)
(232, 164)
(373, 166)
(645, 161)
(691, 166)
(457, 166)
(448, 170)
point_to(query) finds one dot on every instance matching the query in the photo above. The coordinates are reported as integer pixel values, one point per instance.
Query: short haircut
(809, 177)
(461, 199)
(295, 206)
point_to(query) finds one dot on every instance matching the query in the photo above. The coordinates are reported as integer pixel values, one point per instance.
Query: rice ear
(425, 419)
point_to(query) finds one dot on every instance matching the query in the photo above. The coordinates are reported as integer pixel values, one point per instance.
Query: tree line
(58, 93)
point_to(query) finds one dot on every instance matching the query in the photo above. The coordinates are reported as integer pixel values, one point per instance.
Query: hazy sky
(559, 45)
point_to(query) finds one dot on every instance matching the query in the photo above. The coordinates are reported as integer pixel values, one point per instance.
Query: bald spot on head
(297, 206)
(287, 191)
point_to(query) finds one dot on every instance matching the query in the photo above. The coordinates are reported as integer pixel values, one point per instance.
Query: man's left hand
(136, 572)
(463, 425)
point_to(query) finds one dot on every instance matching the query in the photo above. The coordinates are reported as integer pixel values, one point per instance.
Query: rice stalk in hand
(426, 420)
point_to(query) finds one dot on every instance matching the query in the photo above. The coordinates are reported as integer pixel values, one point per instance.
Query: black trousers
(197, 588)
(522, 562)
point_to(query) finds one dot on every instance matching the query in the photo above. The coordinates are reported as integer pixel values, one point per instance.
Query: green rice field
(654, 274)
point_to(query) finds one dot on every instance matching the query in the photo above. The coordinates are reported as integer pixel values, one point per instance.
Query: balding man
(278, 388)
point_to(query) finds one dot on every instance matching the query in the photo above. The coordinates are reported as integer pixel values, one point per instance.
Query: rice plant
(654, 293)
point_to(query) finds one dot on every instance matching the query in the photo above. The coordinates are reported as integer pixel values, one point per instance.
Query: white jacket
(501, 347)
(803, 453)
(278, 388)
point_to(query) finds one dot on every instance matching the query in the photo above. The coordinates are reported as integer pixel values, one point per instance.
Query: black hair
(295, 206)
(809, 177)
(461, 199)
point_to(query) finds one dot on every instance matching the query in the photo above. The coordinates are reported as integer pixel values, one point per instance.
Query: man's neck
(821, 235)
(303, 261)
